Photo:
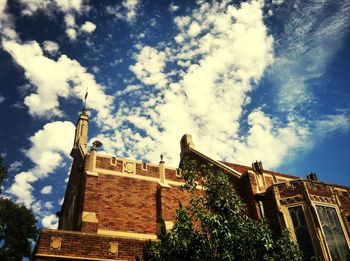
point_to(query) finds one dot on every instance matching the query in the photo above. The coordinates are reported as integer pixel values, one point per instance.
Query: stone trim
(75, 257)
(90, 173)
(130, 235)
(135, 176)
(89, 217)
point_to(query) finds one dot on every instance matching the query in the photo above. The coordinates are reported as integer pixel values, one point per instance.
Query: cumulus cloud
(48, 148)
(149, 67)
(51, 47)
(32, 6)
(223, 52)
(71, 33)
(126, 11)
(88, 27)
(46, 190)
(66, 78)
(50, 221)
(22, 188)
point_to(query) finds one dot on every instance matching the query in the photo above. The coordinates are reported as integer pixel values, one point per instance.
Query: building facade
(112, 206)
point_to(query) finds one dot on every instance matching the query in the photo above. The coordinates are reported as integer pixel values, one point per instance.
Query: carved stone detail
(113, 248)
(55, 243)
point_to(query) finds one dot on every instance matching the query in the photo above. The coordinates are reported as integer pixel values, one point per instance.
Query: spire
(86, 95)
(81, 131)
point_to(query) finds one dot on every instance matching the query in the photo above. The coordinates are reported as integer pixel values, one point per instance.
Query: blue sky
(250, 80)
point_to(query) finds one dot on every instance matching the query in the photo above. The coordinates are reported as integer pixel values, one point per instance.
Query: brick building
(112, 205)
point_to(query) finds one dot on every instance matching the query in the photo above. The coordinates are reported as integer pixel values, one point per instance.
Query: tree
(215, 225)
(17, 227)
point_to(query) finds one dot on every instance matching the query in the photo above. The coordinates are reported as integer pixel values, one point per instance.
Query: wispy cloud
(313, 31)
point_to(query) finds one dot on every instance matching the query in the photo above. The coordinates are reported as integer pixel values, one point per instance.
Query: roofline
(215, 162)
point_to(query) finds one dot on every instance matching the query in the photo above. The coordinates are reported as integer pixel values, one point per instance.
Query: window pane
(302, 232)
(333, 232)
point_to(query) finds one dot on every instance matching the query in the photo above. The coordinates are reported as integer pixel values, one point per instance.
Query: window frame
(342, 225)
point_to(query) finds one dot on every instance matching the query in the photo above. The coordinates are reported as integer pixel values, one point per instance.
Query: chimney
(257, 167)
(186, 143)
(312, 176)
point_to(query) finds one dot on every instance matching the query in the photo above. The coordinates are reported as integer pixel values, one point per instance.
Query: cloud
(149, 67)
(222, 52)
(173, 7)
(50, 47)
(88, 27)
(15, 166)
(46, 190)
(223, 55)
(66, 78)
(48, 204)
(22, 188)
(48, 148)
(71, 33)
(126, 11)
(312, 33)
(50, 221)
(30, 7)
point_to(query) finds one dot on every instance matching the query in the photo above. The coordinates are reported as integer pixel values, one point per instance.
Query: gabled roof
(242, 169)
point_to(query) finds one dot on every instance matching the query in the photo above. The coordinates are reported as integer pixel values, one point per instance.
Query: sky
(249, 80)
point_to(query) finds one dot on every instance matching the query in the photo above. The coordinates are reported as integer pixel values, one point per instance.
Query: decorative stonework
(89, 217)
(113, 248)
(56, 243)
(129, 167)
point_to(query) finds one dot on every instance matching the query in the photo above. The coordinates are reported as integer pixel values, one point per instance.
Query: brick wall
(121, 203)
(75, 244)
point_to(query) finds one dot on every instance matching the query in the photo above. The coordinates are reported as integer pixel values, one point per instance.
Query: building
(112, 205)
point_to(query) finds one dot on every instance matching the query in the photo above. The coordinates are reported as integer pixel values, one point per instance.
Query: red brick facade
(113, 206)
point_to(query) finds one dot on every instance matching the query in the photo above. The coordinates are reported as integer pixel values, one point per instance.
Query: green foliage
(215, 225)
(17, 227)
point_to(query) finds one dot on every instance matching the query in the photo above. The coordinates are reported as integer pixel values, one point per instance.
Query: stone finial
(96, 144)
(186, 143)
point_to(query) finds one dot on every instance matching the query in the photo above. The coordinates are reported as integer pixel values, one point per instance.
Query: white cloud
(126, 11)
(47, 150)
(48, 204)
(15, 166)
(51, 47)
(69, 20)
(149, 67)
(88, 27)
(194, 29)
(305, 46)
(32, 6)
(71, 33)
(173, 7)
(22, 187)
(46, 190)
(50, 221)
(226, 51)
(66, 78)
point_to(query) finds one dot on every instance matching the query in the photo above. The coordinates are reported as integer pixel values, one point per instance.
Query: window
(301, 231)
(333, 232)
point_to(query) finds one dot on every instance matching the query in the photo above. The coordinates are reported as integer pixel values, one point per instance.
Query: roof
(242, 169)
